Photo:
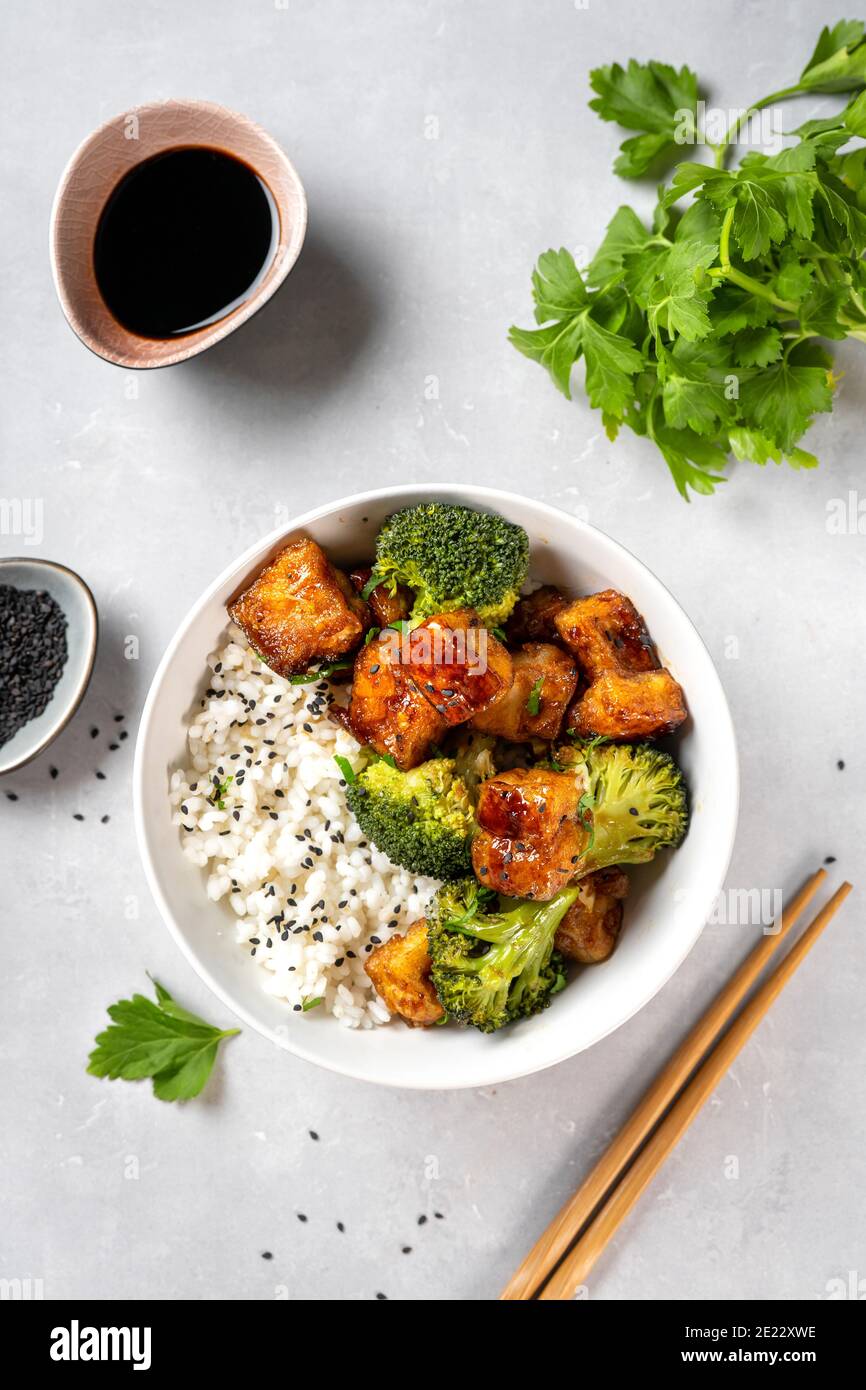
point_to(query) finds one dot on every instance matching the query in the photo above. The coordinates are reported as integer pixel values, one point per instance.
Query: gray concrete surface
(443, 145)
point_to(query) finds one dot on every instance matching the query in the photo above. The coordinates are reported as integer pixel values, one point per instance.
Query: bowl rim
(222, 328)
(486, 496)
(87, 670)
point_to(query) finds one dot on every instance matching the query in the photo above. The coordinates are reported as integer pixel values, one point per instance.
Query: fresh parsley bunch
(702, 332)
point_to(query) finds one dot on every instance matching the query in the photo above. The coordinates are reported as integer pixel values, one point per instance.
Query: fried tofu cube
(532, 868)
(400, 971)
(533, 616)
(644, 705)
(606, 633)
(387, 607)
(300, 610)
(590, 928)
(545, 679)
(527, 804)
(387, 711)
(458, 665)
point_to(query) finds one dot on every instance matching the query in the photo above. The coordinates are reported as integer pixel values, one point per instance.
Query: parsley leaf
(611, 359)
(649, 97)
(161, 1040)
(783, 399)
(839, 61)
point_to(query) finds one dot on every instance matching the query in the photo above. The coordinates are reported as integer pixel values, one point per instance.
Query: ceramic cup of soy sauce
(172, 225)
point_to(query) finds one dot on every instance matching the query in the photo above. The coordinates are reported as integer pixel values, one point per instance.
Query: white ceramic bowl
(670, 899)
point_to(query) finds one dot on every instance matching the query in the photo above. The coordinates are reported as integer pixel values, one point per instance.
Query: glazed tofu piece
(400, 971)
(301, 610)
(528, 804)
(545, 679)
(590, 928)
(386, 607)
(458, 665)
(606, 633)
(533, 616)
(387, 711)
(531, 868)
(644, 705)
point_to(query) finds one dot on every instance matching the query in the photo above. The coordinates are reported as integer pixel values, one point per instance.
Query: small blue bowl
(72, 595)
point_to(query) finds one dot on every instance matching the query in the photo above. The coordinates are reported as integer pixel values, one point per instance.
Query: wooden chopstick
(572, 1273)
(552, 1245)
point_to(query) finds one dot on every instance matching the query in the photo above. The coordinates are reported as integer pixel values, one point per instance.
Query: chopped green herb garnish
(162, 1041)
(220, 791)
(312, 1003)
(345, 767)
(584, 812)
(325, 670)
(533, 699)
(371, 584)
(500, 633)
(371, 634)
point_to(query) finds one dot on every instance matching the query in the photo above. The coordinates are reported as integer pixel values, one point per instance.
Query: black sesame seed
(266, 1255)
(76, 816)
(52, 772)
(340, 1226)
(105, 819)
(301, 1216)
(422, 1220)
(94, 732)
(11, 796)
(312, 1133)
(830, 859)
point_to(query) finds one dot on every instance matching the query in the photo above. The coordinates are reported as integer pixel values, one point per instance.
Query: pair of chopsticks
(557, 1265)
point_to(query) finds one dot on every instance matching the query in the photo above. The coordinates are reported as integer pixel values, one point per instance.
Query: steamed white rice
(310, 897)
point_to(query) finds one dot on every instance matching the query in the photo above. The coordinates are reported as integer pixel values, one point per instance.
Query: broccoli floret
(492, 964)
(634, 802)
(422, 819)
(453, 557)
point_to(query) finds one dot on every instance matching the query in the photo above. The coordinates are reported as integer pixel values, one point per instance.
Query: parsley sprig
(161, 1040)
(702, 332)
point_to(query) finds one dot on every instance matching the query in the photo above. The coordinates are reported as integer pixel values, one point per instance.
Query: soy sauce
(184, 239)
